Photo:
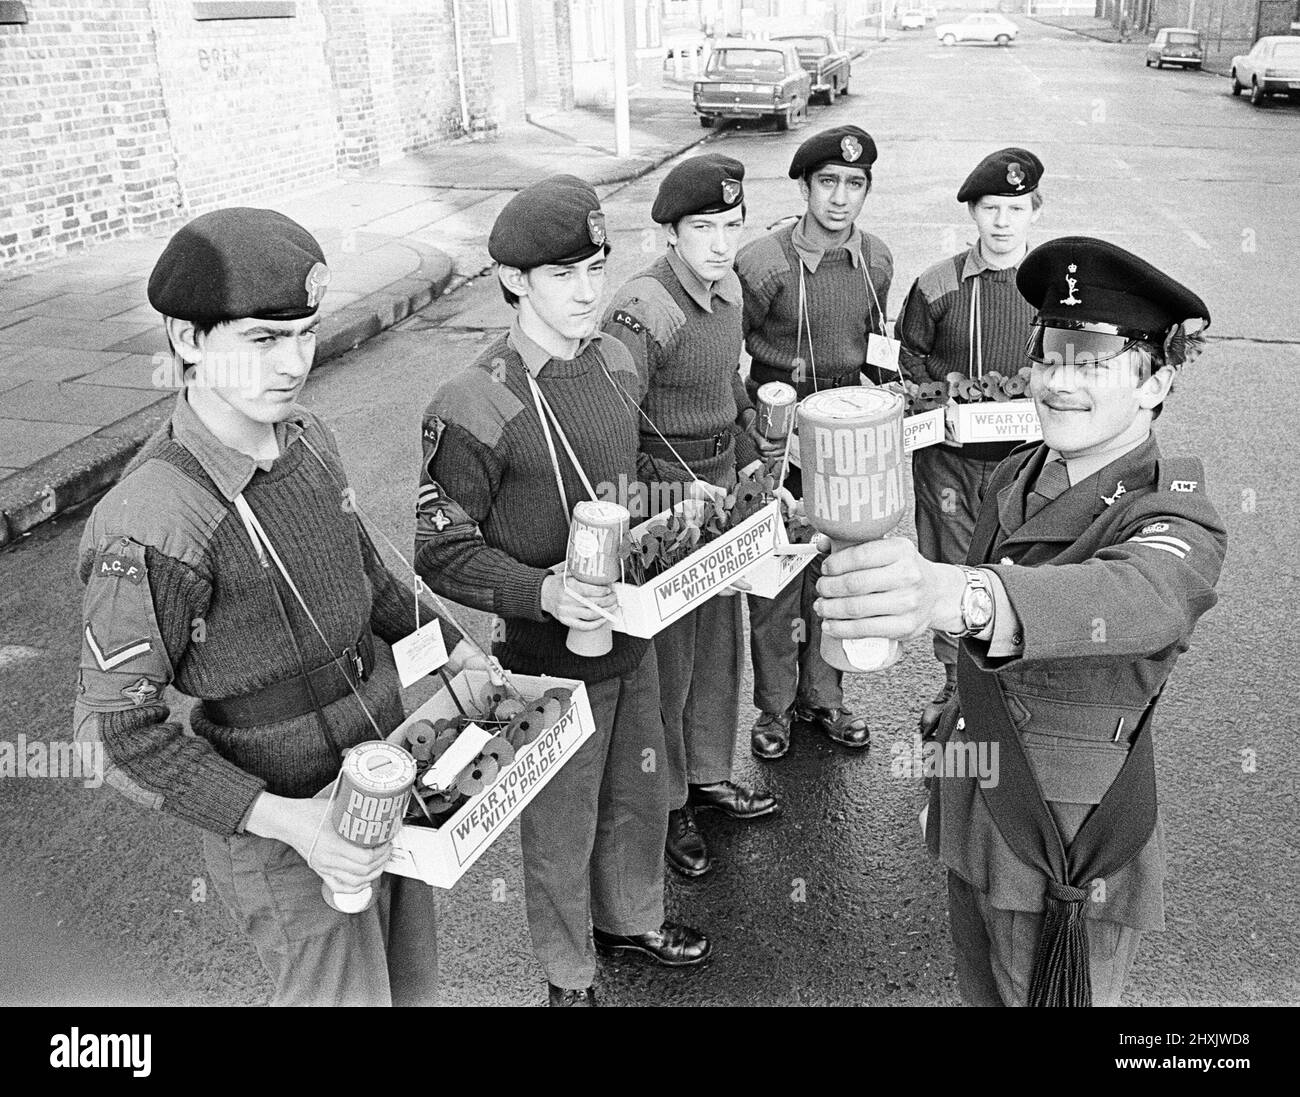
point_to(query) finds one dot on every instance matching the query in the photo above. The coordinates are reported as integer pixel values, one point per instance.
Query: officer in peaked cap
(175, 595)
(964, 315)
(545, 418)
(1093, 557)
(681, 319)
(816, 291)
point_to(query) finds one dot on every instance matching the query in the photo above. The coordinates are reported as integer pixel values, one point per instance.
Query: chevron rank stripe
(116, 658)
(1173, 545)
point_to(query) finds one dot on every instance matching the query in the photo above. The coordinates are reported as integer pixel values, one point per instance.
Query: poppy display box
(650, 608)
(441, 856)
(992, 421)
(925, 428)
(773, 573)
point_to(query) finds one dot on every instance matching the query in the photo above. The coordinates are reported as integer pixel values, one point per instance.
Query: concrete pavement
(80, 346)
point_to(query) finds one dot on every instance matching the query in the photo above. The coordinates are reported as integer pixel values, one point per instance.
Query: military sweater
(490, 524)
(935, 324)
(685, 339)
(841, 308)
(175, 595)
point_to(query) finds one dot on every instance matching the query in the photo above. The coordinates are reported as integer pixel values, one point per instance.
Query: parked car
(827, 64)
(753, 80)
(987, 26)
(1272, 67)
(912, 19)
(1176, 46)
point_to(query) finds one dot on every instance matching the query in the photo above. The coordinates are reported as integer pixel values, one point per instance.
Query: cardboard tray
(992, 421)
(773, 573)
(650, 608)
(440, 857)
(923, 429)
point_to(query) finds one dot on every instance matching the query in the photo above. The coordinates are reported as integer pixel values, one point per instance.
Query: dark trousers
(316, 956)
(949, 492)
(700, 663)
(593, 838)
(994, 950)
(785, 641)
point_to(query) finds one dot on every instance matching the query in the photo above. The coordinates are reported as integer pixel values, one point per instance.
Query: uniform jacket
(1108, 580)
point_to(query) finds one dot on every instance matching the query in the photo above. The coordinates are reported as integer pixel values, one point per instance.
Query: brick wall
(133, 116)
(81, 108)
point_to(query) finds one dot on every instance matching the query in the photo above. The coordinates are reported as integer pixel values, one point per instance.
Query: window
(1287, 51)
(503, 19)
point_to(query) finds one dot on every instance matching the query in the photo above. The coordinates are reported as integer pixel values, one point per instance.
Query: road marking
(1197, 239)
(16, 653)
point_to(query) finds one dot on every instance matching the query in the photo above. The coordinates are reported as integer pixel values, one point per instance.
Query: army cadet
(681, 320)
(1093, 557)
(813, 292)
(538, 422)
(290, 663)
(964, 315)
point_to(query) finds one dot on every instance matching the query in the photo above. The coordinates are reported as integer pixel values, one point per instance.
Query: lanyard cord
(805, 319)
(975, 336)
(543, 412)
(421, 587)
(627, 397)
(875, 299)
(263, 545)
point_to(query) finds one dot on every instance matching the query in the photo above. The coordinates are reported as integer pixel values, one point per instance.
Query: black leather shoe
(933, 712)
(685, 846)
(769, 738)
(839, 723)
(736, 800)
(672, 945)
(557, 996)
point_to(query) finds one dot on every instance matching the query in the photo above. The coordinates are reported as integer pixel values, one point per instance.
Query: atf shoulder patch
(120, 559)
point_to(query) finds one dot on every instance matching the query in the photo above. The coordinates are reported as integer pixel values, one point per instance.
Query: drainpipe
(460, 66)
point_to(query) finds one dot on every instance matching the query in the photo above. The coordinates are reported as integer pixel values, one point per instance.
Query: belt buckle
(357, 662)
(719, 444)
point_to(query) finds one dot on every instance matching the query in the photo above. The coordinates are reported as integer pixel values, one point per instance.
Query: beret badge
(851, 147)
(596, 227)
(1016, 175)
(730, 190)
(317, 279)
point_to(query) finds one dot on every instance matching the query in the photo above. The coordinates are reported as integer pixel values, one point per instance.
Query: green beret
(236, 263)
(556, 220)
(1006, 173)
(847, 145)
(703, 184)
(1078, 279)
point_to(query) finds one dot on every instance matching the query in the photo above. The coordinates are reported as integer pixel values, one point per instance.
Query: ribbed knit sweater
(204, 618)
(688, 358)
(934, 327)
(841, 310)
(490, 524)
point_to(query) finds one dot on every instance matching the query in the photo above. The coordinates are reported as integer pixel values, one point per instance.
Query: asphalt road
(836, 902)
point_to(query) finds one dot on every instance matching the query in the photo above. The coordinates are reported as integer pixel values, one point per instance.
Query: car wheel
(1258, 97)
(1236, 87)
(1146, 61)
(832, 92)
(844, 88)
(706, 122)
(949, 40)
(1003, 40)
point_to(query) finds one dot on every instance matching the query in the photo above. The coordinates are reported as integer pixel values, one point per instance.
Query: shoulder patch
(1155, 527)
(622, 316)
(647, 300)
(477, 403)
(159, 506)
(764, 258)
(1181, 474)
(941, 279)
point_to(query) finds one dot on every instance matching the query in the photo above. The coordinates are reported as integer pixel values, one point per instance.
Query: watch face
(977, 608)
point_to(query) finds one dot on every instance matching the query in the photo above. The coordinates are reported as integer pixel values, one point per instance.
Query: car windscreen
(1287, 51)
(1184, 39)
(749, 60)
(811, 44)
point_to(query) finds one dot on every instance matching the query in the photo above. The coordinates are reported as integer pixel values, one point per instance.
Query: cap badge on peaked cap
(1015, 175)
(730, 190)
(1073, 285)
(851, 147)
(596, 227)
(317, 279)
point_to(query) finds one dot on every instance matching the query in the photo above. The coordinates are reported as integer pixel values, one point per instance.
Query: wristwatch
(976, 604)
